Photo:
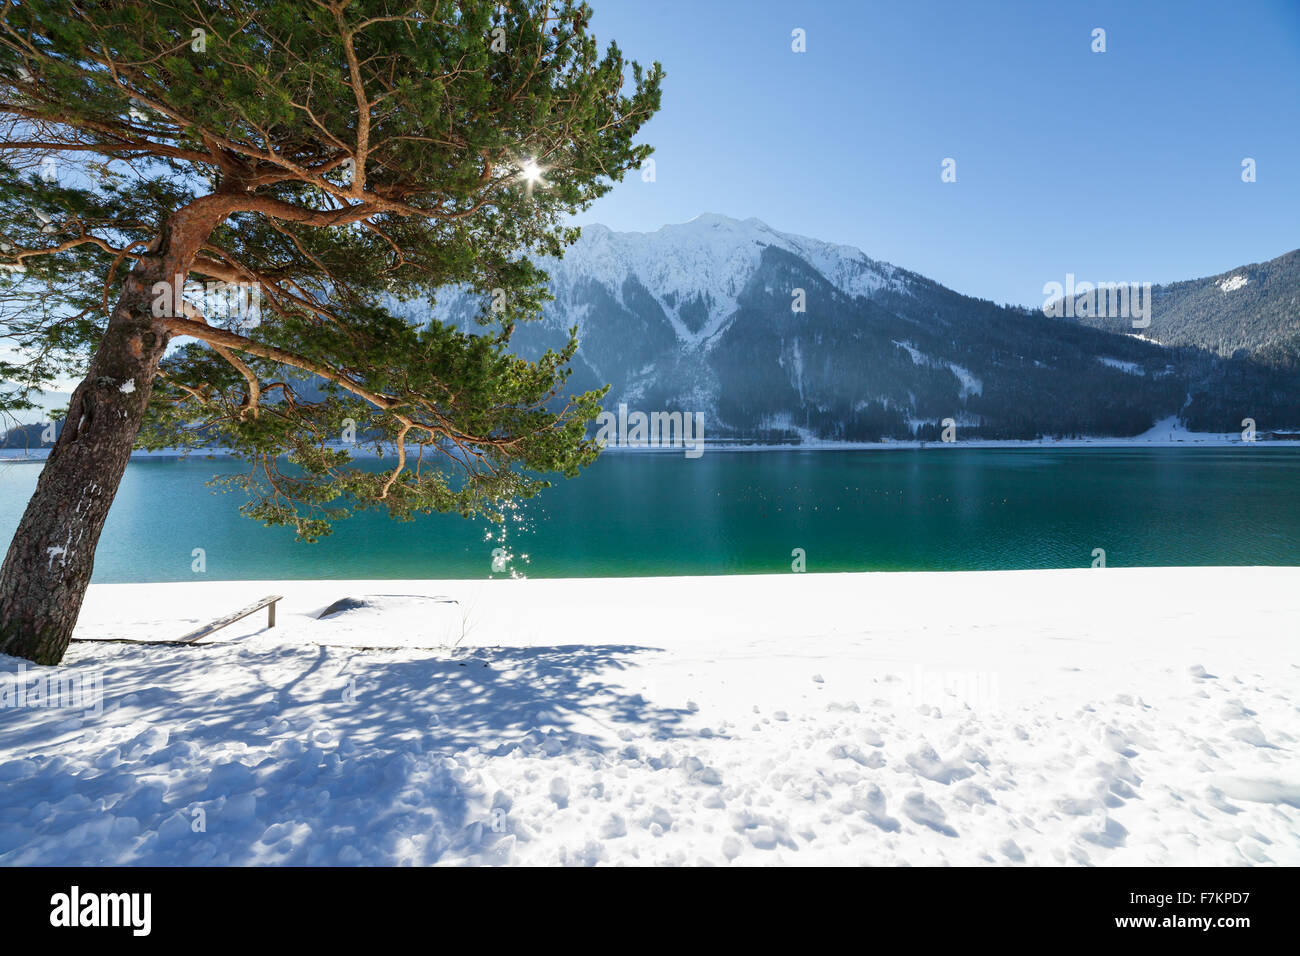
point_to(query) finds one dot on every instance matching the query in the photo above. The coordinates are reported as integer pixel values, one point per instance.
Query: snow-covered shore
(1106, 716)
(1167, 433)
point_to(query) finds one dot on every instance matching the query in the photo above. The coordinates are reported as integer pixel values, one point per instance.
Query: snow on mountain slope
(700, 264)
(970, 385)
(710, 252)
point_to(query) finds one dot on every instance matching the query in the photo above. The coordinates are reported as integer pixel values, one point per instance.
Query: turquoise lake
(746, 512)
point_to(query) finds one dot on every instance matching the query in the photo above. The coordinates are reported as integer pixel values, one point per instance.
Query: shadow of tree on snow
(326, 752)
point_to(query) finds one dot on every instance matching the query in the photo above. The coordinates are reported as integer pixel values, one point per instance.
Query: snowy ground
(1139, 717)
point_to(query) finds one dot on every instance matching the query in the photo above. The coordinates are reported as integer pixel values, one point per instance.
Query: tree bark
(48, 566)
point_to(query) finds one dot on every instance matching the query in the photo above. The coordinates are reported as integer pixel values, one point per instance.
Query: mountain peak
(712, 254)
(700, 223)
(720, 220)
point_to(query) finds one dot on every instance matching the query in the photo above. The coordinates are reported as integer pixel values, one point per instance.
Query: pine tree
(209, 210)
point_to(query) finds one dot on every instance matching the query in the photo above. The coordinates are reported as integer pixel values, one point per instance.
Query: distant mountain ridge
(1253, 309)
(701, 316)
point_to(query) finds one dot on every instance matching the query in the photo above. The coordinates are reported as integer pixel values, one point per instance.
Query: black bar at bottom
(1218, 907)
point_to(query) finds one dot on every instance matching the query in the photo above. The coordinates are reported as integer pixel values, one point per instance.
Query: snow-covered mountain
(696, 271)
(778, 336)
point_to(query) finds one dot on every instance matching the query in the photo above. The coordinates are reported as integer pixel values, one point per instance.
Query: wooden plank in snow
(219, 623)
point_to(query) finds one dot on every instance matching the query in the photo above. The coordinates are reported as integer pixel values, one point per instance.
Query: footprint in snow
(873, 761)
(926, 812)
(972, 794)
(928, 764)
(613, 827)
(1251, 734)
(871, 801)
(1109, 833)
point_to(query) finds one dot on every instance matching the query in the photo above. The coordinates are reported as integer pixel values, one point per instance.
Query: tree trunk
(50, 559)
(47, 569)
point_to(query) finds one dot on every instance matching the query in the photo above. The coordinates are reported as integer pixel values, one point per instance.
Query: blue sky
(1116, 166)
